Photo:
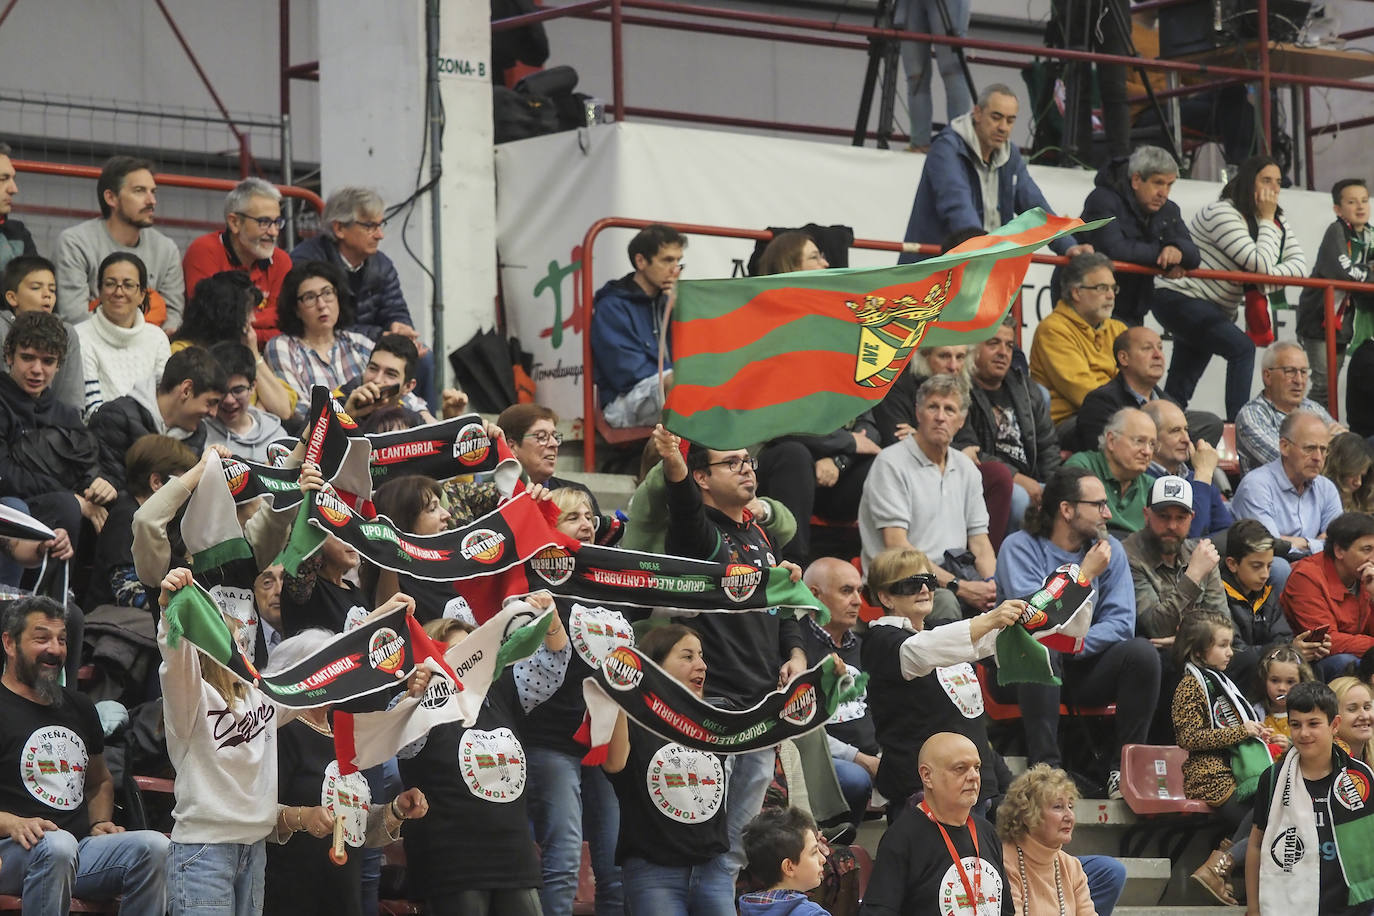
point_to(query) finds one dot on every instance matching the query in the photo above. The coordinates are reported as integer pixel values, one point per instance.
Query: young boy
(30, 285)
(784, 852)
(1312, 845)
(1344, 255)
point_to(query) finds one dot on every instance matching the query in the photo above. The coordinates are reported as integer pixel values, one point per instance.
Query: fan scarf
(629, 578)
(1228, 708)
(1290, 869)
(354, 463)
(653, 698)
(1056, 617)
(509, 535)
(455, 691)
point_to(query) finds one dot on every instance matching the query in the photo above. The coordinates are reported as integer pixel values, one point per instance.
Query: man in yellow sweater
(1072, 351)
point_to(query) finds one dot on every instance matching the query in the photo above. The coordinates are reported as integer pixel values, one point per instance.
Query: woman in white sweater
(118, 348)
(1244, 229)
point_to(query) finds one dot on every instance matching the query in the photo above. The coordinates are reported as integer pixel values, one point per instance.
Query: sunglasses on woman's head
(912, 585)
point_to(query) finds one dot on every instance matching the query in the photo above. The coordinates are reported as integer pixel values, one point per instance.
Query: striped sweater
(1224, 240)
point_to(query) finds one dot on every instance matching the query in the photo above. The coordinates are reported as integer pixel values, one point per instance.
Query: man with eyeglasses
(752, 653)
(248, 242)
(127, 194)
(354, 220)
(1289, 494)
(922, 494)
(627, 322)
(1285, 372)
(1072, 353)
(1121, 462)
(1114, 665)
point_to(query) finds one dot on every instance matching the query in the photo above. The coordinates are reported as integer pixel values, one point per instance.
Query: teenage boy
(30, 285)
(784, 852)
(1312, 844)
(1344, 255)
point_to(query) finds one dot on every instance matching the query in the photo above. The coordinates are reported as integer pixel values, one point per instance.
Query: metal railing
(772, 27)
(585, 286)
(164, 178)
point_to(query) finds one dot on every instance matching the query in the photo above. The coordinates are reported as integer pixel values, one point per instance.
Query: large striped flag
(761, 357)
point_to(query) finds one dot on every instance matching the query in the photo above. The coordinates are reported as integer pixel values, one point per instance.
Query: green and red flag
(761, 357)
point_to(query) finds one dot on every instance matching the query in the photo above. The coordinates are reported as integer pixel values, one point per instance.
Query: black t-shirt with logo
(477, 833)
(1009, 444)
(330, 607)
(435, 600)
(915, 874)
(1334, 891)
(672, 803)
(45, 752)
(300, 877)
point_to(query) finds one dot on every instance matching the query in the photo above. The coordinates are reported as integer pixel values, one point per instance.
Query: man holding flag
(1114, 665)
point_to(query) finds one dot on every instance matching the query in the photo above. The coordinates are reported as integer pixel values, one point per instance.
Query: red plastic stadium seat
(865, 868)
(1226, 451)
(395, 854)
(867, 612)
(1152, 780)
(614, 435)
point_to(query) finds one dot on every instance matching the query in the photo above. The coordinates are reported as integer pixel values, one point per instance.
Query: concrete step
(1146, 881)
(613, 491)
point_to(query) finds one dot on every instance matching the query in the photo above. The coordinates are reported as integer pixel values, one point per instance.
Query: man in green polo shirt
(1123, 454)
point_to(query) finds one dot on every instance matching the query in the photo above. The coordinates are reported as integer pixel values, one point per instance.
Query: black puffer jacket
(44, 448)
(118, 424)
(1134, 236)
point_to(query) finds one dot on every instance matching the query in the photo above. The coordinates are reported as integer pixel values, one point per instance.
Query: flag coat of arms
(804, 353)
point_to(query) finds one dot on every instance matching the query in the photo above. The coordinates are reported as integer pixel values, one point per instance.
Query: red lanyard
(975, 890)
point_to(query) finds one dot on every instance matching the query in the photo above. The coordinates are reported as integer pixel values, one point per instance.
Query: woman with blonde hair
(1035, 822)
(1355, 705)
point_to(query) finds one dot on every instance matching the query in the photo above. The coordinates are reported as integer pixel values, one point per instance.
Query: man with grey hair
(353, 222)
(248, 242)
(1146, 228)
(1121, 461)
(974, 177)
(1284, 371)
(1072, 353)
(922, 494)
(15, 239)
(127, 195)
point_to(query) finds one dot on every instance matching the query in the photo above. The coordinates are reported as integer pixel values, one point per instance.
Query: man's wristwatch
(953, 585)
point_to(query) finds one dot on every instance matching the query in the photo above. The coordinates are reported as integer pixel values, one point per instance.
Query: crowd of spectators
(985, 472)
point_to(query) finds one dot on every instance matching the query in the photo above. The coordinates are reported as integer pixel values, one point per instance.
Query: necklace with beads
(1025, 885)
(322, 729)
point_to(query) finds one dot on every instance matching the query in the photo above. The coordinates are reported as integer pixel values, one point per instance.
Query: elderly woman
(1035, 822)
(119, 350)
(921, 681)
(314, 307)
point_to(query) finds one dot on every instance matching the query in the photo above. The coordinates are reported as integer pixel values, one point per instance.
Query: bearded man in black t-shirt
(56, 794)
(1009, 421)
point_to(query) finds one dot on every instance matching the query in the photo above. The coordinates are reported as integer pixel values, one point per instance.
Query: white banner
(551, 189)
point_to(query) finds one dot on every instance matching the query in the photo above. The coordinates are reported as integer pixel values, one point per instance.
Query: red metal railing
(587, 292)
(808, 31)
(169, 179)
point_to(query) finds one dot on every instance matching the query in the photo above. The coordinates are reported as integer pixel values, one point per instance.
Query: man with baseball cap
(1174, 574)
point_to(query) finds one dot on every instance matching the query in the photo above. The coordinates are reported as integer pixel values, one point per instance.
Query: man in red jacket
(252, 220)
(1334, 589)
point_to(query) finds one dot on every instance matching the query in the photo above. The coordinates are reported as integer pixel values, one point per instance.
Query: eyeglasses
(736, 464)
(1101, 504)
(544, 437)
(264, 222)
(1310, 449)
(912, 585)
(239, 391)
(129, 286)
(1292, 371)
(1142, 442)
(1104, 288)
(369, 225)
(328, 294)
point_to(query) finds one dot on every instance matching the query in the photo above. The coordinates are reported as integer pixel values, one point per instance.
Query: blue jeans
(58, 867)
(746, 782)
(1106, 880)
(1333, 666)
(687, 890)
(1020, 502)
(216, 879)
(1201, 330)
(856, 786)
(568, 801)
(924, 16)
